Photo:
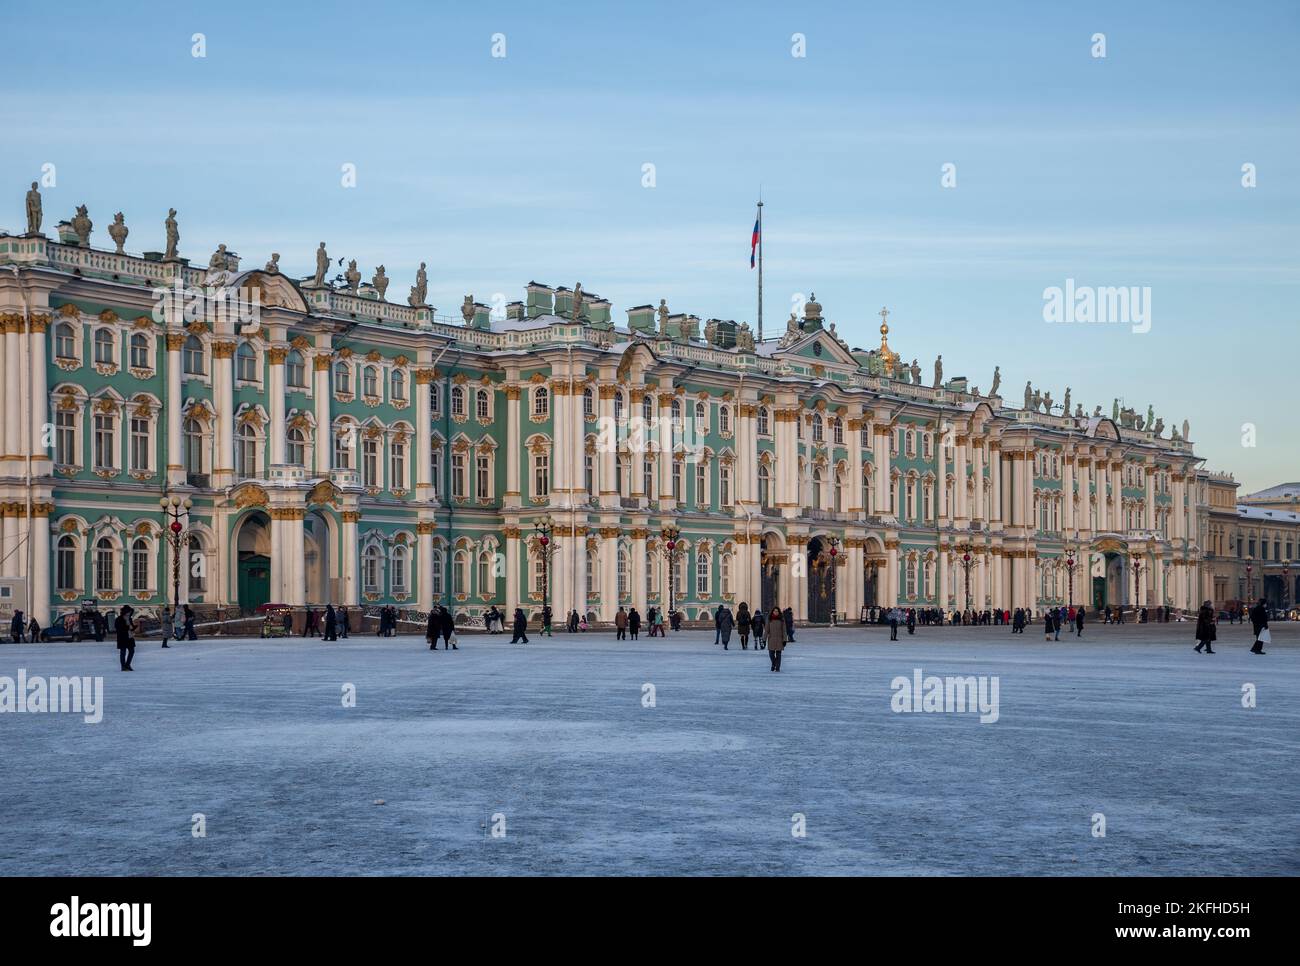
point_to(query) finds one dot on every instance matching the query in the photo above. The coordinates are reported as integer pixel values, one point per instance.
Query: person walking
(448, 630)
(546, 622)
(757, 625)
(125, 638)
(725, 623)
(634, 623)
(717, 625)
(1056, 624)
(911, 620)
(788, 616)
(433, 629)
(1047, 623)
(165, 625)
(620, 625)
(343, 622)
(16, 627)
(742, 625)
(1206, 632)
(1259, 626)
(188, 627)
(331, 624)
(775, 638)
(312, 628)
(1078, 622)
(893, 623)
(520, 628)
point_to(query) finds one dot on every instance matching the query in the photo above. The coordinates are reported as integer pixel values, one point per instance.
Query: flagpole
(760, 268)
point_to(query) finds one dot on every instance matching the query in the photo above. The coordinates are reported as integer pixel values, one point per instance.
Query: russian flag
(753, 244)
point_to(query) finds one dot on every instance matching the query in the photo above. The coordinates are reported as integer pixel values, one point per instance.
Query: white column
(1067, 496)
(608, 570)
(223, 396)
(977, 454)
(881, 470)
(351, 590)
(42, 462)
(275, 401)
(961, 510)
(39, 534)
(516, 555)
(1149, 514)
(638, 570)
(854, 503)
(320, 397)
(424, 547)
(607, 455)
(13, 357)
(514, 447)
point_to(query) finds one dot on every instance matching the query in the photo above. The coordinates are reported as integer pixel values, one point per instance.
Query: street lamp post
(1137, 576)
(966, 560)
(671, 547)
(1069, 566)
(1286, 585)
(834, 551)
(544, 546)
(175, 508)
(1250, 584)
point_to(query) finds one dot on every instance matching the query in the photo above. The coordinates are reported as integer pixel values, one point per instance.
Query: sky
(1122, 170)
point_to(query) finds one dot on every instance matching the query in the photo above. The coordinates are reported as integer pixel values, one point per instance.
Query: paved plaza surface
(554, 736)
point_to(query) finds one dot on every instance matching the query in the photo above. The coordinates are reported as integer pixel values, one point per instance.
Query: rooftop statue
(1029, 395)
(353, 276)
(1096, 413)
(938, 371)
(118, 232)
(173, 235)
(663, 316)
(873, 363)
(997, 380)
(322, 266)
(1114, 411)
(380, 282)
(420, 290)
(1151, 415)
(792, 332)
(711, 332)
(576, 312)
(273, 266)
(82, 225)
(745, 337)
(1078, 411)
(34, 210)
(1160, 426)
(916, 373)
(1047, 403)
(1065, 405)
(218, 268)
(467, 310)
(1187, 433)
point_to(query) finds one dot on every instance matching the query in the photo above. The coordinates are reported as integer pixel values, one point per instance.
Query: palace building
(335, 446)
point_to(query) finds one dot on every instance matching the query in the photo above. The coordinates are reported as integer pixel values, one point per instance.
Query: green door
(1098, 593)
(254, 582)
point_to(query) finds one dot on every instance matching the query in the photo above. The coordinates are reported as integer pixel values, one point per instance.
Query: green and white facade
(337, 447)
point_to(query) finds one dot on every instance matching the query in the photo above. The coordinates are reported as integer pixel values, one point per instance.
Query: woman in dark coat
(1206, 632)
(1258, 624)
(520, 627)
(757, 623)
(634, 622)
(433, 629)
(125, 642)
(742, 625)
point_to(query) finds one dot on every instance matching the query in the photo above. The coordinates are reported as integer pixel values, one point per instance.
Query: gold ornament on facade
(276, 355)
(68, 310)
(108, 316)
(249, 494)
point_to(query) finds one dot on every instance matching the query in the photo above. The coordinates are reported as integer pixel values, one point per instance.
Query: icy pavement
(555, 741)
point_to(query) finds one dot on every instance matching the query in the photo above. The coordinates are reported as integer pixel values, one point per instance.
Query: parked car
(66, 629)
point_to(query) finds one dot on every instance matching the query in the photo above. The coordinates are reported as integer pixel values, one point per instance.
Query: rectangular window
(65, 439)
(139, 444)
(458, 476)
(105, 443)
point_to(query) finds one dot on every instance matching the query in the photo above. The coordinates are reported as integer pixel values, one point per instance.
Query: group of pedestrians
(1207, 627)
(441, 626)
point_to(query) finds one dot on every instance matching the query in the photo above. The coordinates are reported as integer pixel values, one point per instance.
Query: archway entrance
(318, 565)
(821, 582)
(1108, 575)
(253, 552)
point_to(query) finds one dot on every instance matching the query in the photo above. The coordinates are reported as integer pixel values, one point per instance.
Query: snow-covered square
(580, 754)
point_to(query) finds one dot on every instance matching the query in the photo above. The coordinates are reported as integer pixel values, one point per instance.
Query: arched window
(593, 572)
(196, 566)
(105, 565)
(343, 378)
(194, 362)
(620, 412)
(140, 351)
(839, 491)
(460, 572)
(818, 432)
(647, 408)
(588, 402)
(398, 383)
(541, 474)
(541, 401)
(343, 443)
(701, 418)
(764, 422)
(246, 451)
(911, 576)
(458, 400)
(724, 419)
(724, 573)
(372, 570)
(139, 566)
(702, 574)
(837, 430)
(65, 341)
(817, 489)
(623, 565)
(66, 564)
(482, 405)
(397, 466)
(400, 569)
(104, 347)
(370, 381)
(435, 573)
(764, 486)
(295, 370)
(296, 447)
(724, 486)
(486, 585)
(246, 363)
